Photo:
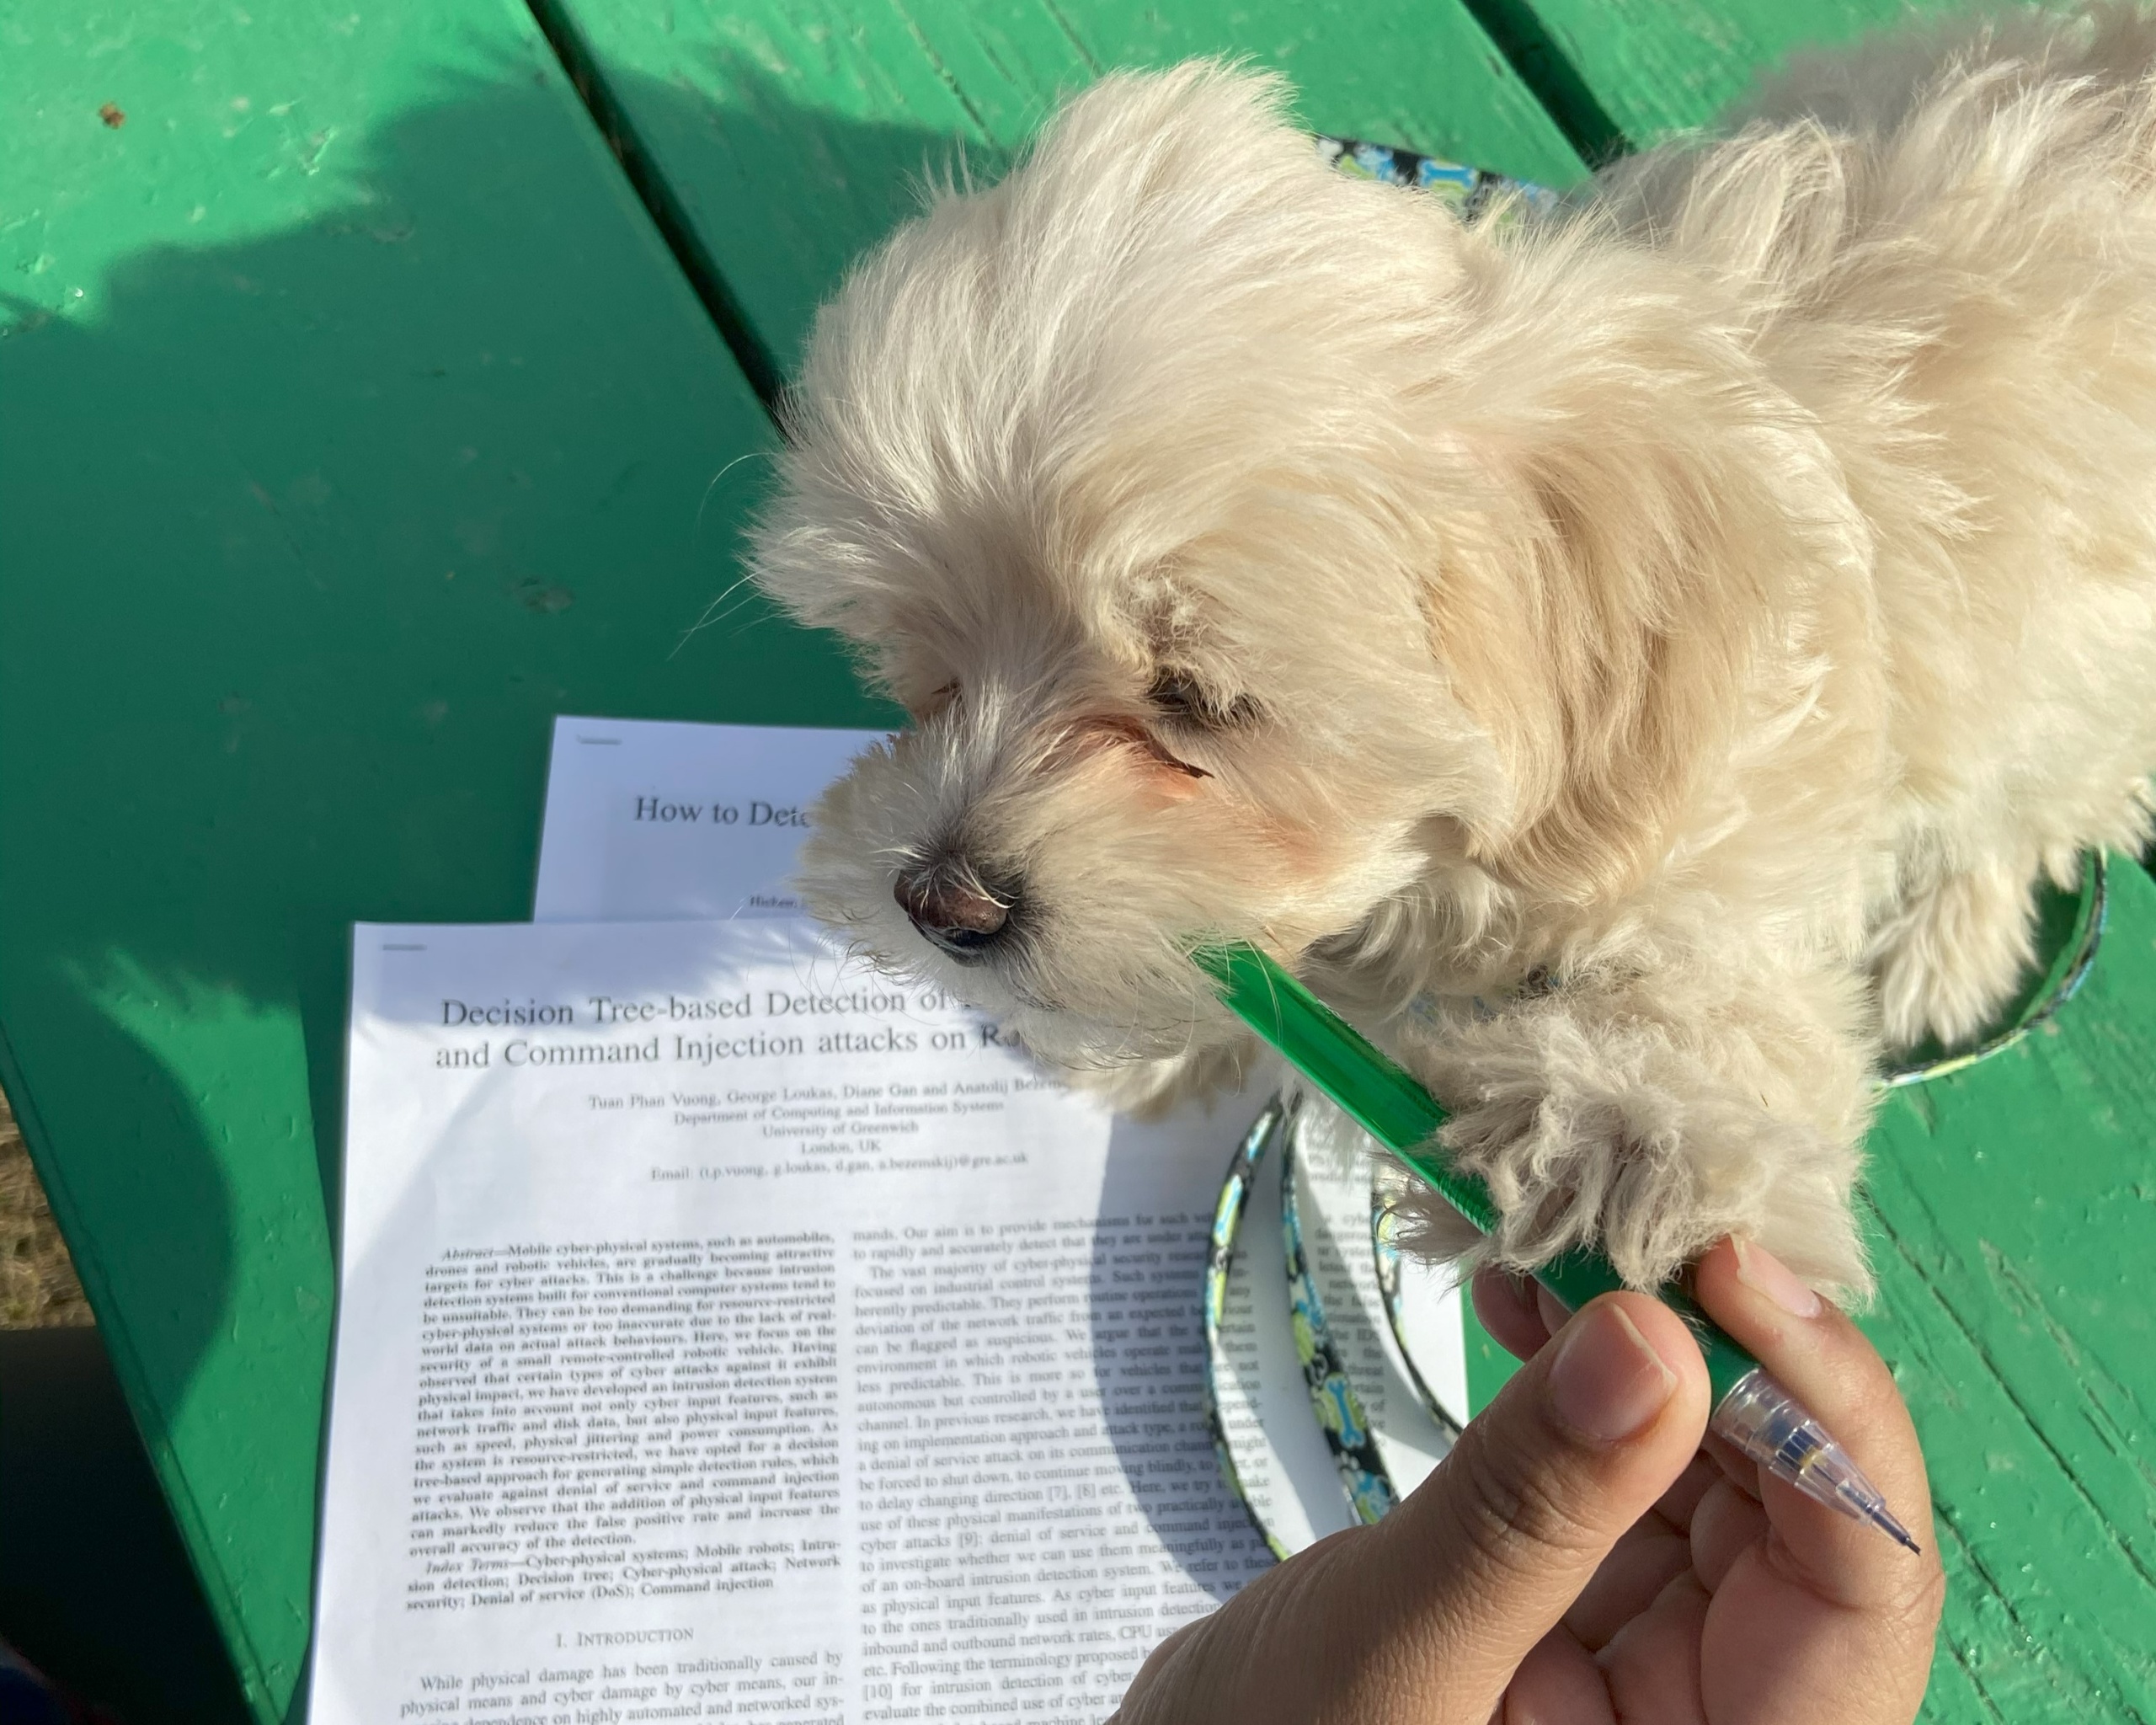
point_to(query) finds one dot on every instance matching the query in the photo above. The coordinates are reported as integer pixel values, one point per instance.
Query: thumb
(1481, 1562)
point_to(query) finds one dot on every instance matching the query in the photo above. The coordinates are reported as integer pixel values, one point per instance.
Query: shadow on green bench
(95, 1589)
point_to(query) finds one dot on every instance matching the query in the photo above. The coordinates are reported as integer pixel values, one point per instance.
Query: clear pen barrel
(1761, 1419)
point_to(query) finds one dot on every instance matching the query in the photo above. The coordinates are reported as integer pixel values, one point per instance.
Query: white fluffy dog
(1640, 660)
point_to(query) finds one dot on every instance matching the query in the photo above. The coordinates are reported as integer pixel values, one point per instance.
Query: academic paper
(728, 1332)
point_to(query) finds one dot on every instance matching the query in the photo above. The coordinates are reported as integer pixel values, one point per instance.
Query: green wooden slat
(2016, 1209)
(790, 133)
(1656, 67)
(356, 422)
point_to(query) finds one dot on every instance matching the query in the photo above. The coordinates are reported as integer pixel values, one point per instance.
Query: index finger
(1823, 1360)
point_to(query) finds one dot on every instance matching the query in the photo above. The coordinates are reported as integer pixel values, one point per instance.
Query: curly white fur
(1668, 641)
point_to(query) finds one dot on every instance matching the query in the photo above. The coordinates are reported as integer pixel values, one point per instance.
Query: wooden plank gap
(1533, 54)
(674, 226)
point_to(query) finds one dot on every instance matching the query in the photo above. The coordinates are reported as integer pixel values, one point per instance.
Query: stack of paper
(727, 1331)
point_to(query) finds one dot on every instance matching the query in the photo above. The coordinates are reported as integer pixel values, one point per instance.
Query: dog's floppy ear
(1646, 515)
(1612, 679)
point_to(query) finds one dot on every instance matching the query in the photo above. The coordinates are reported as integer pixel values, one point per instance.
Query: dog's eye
(1181, 696)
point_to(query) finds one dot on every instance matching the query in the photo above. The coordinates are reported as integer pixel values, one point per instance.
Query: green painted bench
(362, 408)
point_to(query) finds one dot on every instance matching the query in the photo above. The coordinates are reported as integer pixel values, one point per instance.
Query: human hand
(1577, 1561)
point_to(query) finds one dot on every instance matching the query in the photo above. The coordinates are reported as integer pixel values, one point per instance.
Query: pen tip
(1901, 1534)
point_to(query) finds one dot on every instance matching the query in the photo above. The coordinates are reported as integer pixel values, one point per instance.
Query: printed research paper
(729, 1334)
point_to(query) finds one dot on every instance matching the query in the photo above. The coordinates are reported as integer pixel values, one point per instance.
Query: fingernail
(1607, 1383)
(1553, 1312)
(1763, 1272)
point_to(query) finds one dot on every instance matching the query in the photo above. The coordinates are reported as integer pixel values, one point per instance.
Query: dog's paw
(1612, 1139)
(1952, 955)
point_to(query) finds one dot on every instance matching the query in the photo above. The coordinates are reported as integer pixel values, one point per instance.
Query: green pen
(1752, 1411)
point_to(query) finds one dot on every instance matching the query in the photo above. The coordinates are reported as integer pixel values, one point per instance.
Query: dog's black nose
(960, 916)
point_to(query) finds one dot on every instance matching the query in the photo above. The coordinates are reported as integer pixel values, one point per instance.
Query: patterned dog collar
(1468, 191)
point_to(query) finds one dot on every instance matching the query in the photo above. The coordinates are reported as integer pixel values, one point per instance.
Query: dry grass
(38, 1289)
